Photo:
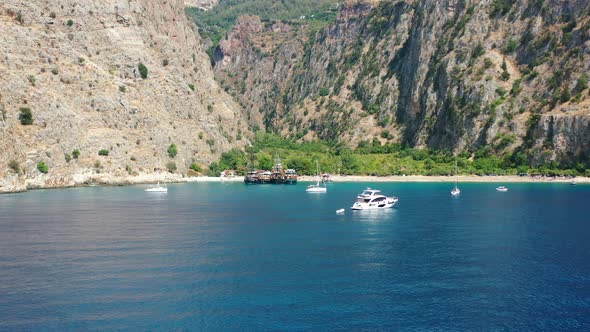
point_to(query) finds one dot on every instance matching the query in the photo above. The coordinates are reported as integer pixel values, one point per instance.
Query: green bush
(103, 152)
(70, 23)
(501, 7)
(76, 153)
(581, 84)
(505, 76)
(511, 46)
(143, 71)
(501, 91)
(42, 167)
(67, 157)
(14, 165)
(565, 95)
(171, 166)
(195, 167)
(172, 151)
(478, 51)
(516, 88)
(324, 92)
(26, 116)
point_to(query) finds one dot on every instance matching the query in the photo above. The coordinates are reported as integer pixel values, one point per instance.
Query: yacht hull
(373, 206)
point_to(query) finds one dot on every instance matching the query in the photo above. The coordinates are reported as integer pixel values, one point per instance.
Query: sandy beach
(461, 178)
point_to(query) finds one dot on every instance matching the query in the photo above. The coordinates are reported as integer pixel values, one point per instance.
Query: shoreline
(450, 179)
(144, 179)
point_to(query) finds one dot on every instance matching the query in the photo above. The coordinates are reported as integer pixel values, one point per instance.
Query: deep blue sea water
(223, 257)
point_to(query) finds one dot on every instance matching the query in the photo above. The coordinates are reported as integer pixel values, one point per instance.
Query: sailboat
(317, 188)
(157, 188)
(456, 191)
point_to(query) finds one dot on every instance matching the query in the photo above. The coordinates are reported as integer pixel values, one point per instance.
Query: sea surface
(228, 256)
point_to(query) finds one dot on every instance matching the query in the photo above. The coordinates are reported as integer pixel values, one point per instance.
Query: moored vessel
(277, 175)
(502, 188)
(371, 199)
(251, 177)
(456, 191)
(318, 187)
(157, 188)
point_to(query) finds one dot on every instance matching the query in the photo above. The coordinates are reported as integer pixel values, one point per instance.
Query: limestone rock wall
(460, 75)
(74, 64)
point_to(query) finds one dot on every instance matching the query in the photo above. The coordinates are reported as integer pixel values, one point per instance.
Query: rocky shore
(14, 184)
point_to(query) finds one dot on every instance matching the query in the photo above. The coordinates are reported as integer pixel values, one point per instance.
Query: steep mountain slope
(76, 66)
(503, 76)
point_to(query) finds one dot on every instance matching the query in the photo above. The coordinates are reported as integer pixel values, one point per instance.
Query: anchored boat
(317, 188)
(371, 199)
(157, 189)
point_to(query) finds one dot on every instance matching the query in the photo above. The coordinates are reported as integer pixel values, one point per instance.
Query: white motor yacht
(373, 199)
(502, 188)
(157, 188)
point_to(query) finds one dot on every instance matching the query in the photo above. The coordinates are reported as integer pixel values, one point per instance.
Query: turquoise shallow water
(217, 256)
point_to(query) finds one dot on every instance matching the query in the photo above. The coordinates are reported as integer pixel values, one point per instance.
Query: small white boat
(157, 188)
(371, 199)
(340, 211)
(456, 191)
(502, 188)
(317, 188)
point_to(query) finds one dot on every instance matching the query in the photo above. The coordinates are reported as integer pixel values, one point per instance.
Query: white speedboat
(502, 188)
(371, 199)
(157, 188)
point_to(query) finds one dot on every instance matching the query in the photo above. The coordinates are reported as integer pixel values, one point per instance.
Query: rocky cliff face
(75, 66)
(508, 77)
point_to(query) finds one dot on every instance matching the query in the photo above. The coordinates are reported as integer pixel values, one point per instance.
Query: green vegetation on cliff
(374, 158)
